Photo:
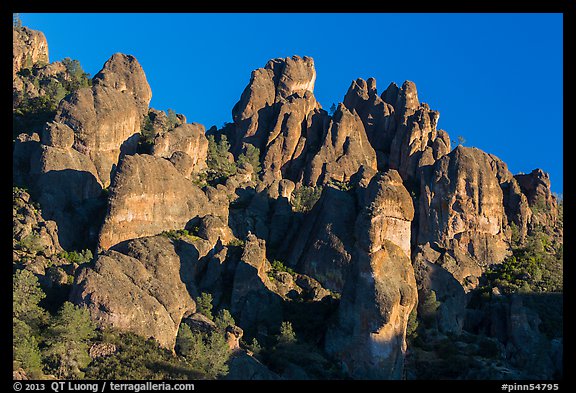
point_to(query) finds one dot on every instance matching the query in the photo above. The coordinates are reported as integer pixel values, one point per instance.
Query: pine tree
(68, 341)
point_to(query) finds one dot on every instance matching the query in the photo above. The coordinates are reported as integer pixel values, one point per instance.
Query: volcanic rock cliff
(350, 225)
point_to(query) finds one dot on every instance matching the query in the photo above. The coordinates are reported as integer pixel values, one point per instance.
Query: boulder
(186, 138)
(145, 287)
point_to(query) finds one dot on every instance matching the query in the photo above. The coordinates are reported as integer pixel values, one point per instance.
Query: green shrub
(236, 243)
(68, 340)
(429, 308)
(26, 295)
(204, 305)
(278, 266)
(32, 113)
(287, 334)
(219, 166)
(534, 267)
(180, 234)
(79, 258)
(25, 351)
(341, 185)
(252, 157)
(304, 198)
(31, 243)
(224, 319)
(208, 353)
(138, 358)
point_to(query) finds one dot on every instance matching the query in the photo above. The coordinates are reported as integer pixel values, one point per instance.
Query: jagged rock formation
(278, 113)
(107, 117)
(344, 149)
(146, 287)
(369, 335)
(400, 216)
(400, 129)
(29, 47)
(148, 196)
(536, 187)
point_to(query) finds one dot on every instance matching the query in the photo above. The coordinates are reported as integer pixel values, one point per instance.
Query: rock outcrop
(462, 210)
(107, 117)
(145, 287)
(401, 130)
(254, 304)
(186, 146)
(369, 335)
(31, 234)
(149, 196)
(278, 113)
(29, 47)
(536, 187)
(344, 149)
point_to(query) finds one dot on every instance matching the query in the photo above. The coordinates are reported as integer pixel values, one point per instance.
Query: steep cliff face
(369, 335)
(323, 246)
(276, 113)
(149, 196)
(461, 209)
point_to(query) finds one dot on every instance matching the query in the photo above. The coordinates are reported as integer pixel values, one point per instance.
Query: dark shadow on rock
(323, 245)
(74, 200)
(23, 151)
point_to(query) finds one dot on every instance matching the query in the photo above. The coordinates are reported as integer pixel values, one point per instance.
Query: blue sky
(495, 78)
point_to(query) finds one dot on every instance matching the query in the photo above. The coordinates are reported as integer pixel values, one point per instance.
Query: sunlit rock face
(149, 196)
(107, 117)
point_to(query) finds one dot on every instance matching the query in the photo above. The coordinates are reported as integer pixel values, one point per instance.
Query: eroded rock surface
(149, 196)
(369, 335)
(145, 287)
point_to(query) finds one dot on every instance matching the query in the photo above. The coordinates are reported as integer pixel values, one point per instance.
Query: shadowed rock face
(149, 196)
(145, 287)
(323, 246)
(107, 117)
(380, 292)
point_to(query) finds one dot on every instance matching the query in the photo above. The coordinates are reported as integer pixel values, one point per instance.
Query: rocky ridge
(400, 214)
